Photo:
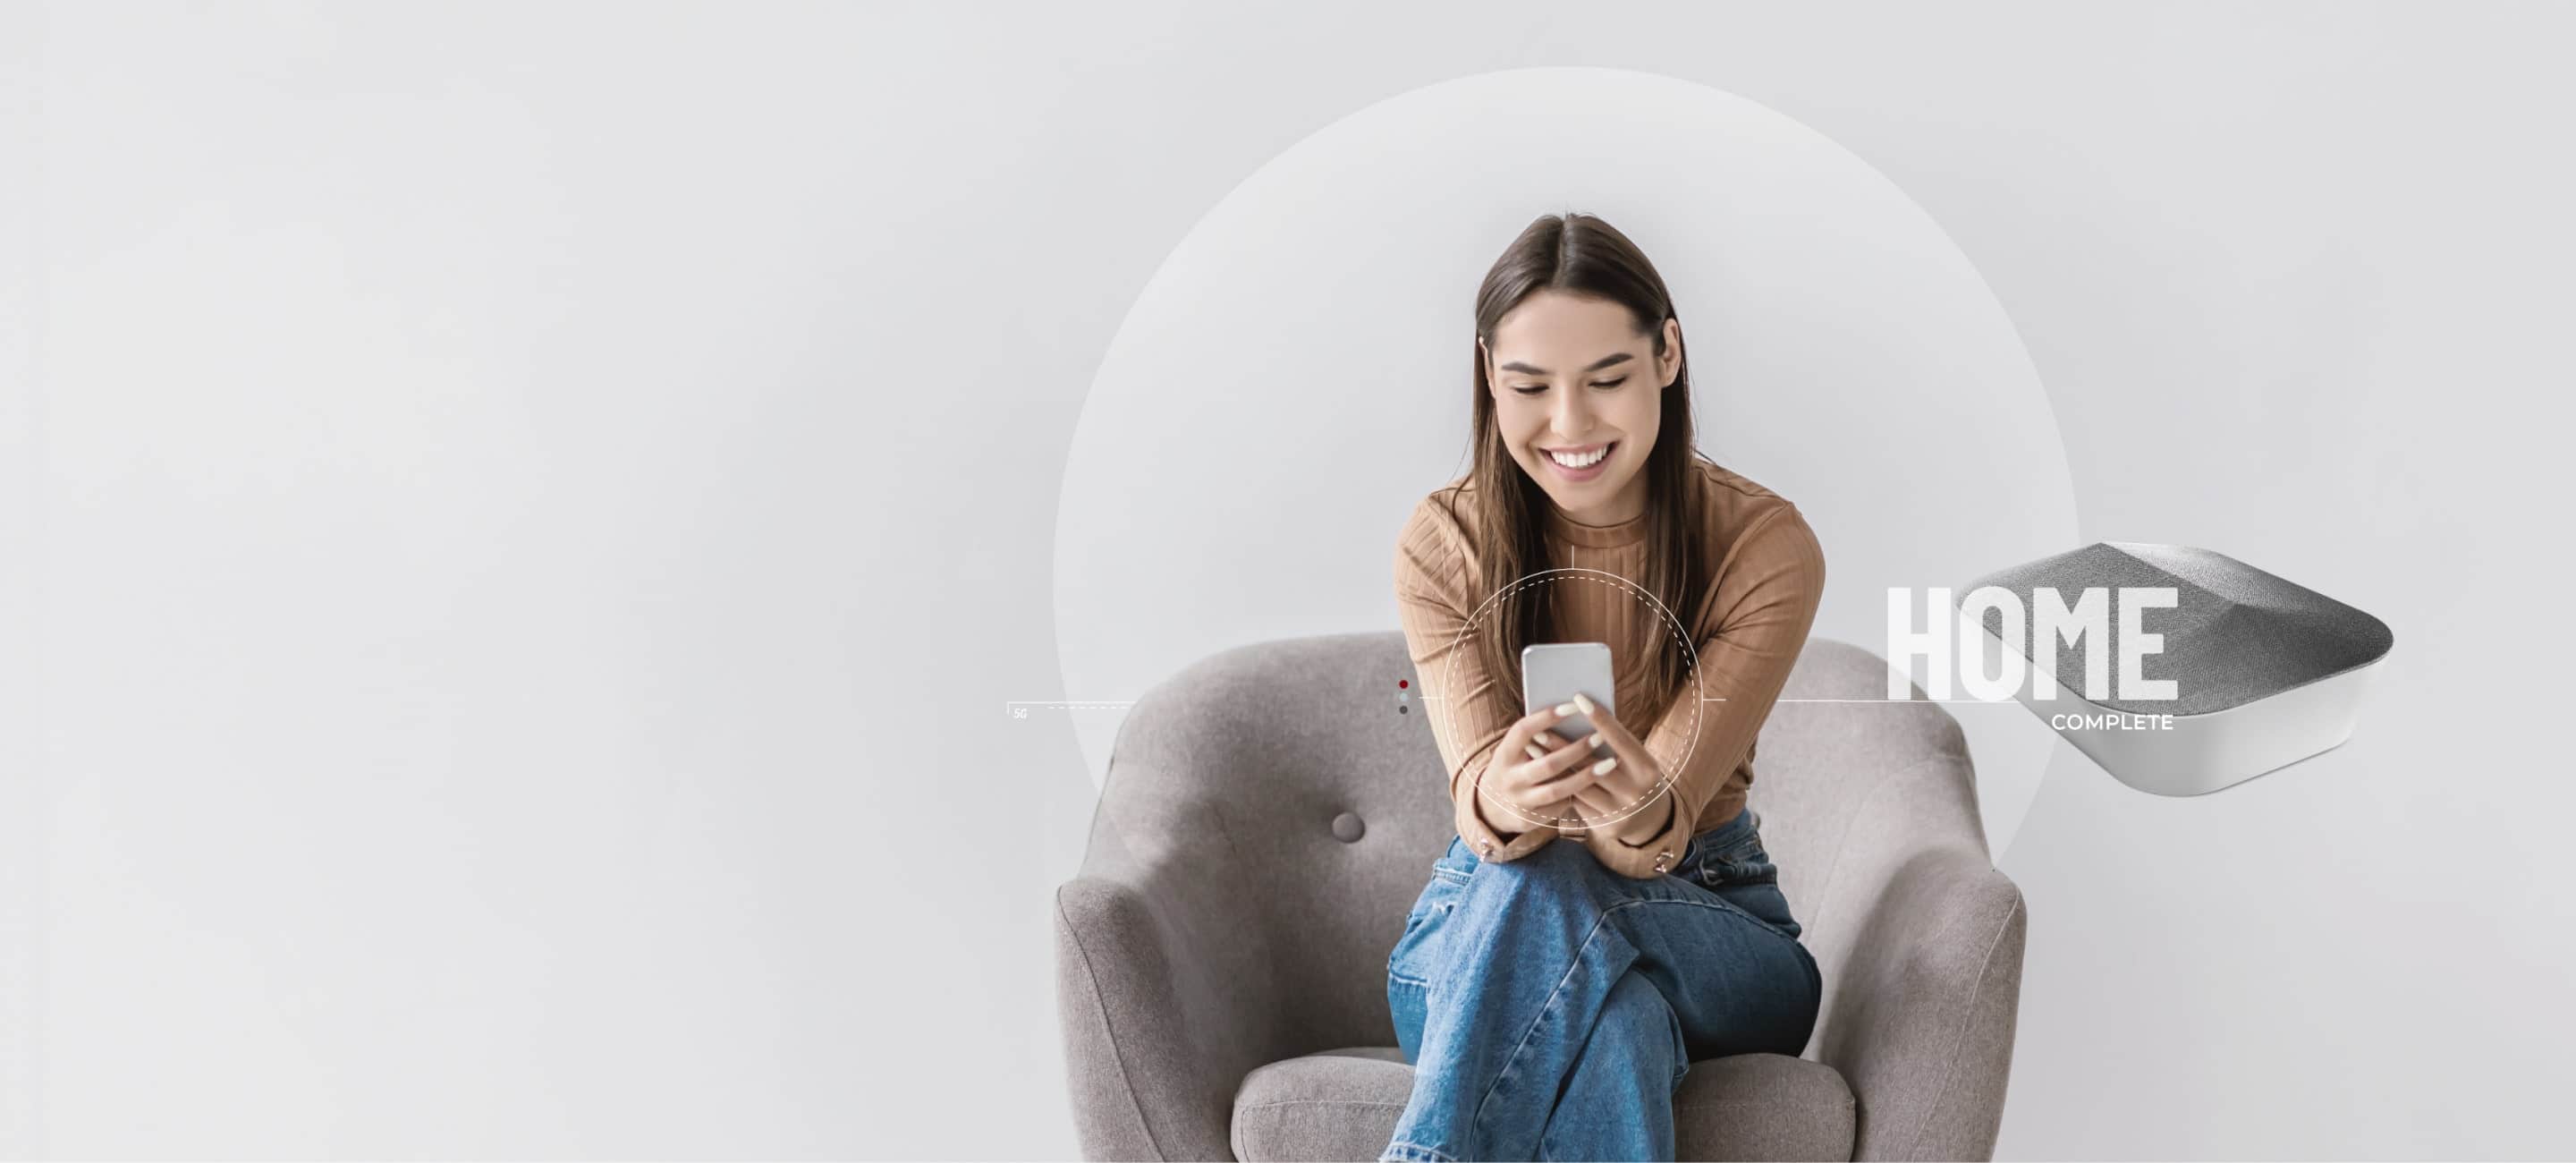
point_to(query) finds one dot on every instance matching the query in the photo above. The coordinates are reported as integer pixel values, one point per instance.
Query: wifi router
(2265, 672)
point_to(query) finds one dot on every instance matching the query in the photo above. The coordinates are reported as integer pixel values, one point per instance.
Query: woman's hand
(1633, 774)
(1540, 784)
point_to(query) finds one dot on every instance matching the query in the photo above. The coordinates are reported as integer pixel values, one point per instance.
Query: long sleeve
(1757, 620)
(1467, 707)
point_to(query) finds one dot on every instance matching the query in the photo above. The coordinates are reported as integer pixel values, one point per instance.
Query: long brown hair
(1581, 255)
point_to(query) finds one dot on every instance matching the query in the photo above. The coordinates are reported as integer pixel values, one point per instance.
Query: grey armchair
(1270, 816)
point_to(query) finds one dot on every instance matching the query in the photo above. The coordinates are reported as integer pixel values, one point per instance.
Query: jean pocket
(1743, 876)
(1457, 863)
(1743, 862)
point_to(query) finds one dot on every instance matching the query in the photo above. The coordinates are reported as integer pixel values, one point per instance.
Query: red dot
(1400, 684)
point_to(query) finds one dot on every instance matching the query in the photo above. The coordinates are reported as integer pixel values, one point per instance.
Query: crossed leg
(1618, 1102)
(1535, 1010)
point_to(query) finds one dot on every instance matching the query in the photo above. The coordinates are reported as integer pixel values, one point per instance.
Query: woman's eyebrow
(1596, 365)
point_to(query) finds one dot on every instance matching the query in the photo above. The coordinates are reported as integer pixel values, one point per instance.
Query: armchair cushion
(1343, 1104)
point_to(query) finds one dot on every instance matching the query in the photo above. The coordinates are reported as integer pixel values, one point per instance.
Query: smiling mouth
(1583, 459)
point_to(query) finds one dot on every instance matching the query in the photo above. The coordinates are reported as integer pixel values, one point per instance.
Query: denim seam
(1432, 1153)
(1731, 906)
(1523, 1042)
(1476, 1121)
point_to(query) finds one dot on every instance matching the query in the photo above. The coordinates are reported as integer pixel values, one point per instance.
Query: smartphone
(1550, 674)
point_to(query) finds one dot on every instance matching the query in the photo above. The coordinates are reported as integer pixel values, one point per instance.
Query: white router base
(2197, 754)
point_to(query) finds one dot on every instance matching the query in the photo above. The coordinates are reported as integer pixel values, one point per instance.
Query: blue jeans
(1550, 1006)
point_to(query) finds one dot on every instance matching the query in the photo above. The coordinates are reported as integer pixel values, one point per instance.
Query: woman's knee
(1559, 879)
(1636, 1004)
(1558, 866)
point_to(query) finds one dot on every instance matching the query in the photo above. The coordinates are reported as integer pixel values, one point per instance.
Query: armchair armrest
(1166, 993)
(1922, 1025)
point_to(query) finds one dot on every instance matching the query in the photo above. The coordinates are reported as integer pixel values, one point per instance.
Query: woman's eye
(1534, 389)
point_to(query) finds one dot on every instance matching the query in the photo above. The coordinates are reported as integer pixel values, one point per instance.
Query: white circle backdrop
(1295, 377)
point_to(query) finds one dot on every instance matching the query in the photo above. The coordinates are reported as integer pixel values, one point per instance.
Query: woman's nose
(1572, 421)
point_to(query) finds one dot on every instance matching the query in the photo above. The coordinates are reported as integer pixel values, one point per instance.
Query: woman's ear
(1672, 360)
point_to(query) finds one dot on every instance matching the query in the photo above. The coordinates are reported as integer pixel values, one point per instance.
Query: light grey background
(520, 522)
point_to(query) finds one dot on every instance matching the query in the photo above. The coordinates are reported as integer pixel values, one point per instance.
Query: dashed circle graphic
(1673, 626)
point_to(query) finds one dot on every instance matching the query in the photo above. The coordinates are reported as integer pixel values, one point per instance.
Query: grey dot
(1348, 828)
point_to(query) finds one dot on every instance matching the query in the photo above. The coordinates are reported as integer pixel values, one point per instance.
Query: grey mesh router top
(2235, 634)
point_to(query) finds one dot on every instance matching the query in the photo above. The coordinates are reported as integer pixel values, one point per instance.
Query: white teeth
(1585, 461)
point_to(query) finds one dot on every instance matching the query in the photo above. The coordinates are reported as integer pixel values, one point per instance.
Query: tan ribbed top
(1748, 628)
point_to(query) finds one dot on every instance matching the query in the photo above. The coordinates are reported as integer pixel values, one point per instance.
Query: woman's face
(1572, 378)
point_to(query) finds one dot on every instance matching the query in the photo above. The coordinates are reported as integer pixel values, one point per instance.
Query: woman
(1595, 926)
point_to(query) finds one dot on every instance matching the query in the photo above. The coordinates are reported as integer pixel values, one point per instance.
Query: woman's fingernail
(1537, 752)
(1564, 709)
(1595, 741)
(1583, 702)
(1603, 767)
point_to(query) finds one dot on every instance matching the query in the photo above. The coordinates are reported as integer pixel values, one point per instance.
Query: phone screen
(1552, 672)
